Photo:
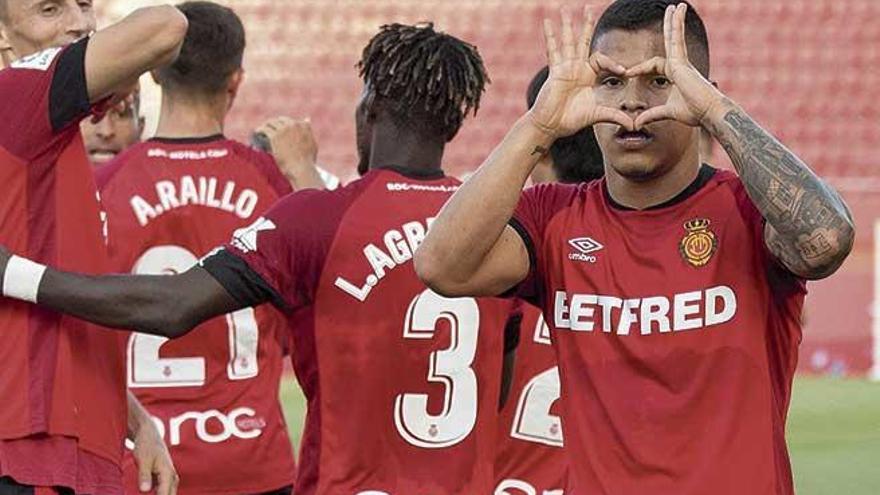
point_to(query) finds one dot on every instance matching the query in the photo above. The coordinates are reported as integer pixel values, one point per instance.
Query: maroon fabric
(676, 334)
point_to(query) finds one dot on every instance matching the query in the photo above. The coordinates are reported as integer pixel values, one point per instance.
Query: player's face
(31, 26)
(118, 130)
(658, 147)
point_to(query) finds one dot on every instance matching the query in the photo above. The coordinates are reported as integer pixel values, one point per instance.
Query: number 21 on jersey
(147, 369)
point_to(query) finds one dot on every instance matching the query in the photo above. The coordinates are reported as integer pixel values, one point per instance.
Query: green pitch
(833, 434)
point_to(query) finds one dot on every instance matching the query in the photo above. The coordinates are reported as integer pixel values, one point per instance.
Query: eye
(611, 82)
(50, 9)
(661, 82)
(85, 4)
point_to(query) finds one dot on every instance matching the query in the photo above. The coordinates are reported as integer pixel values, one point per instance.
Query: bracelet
(22, 279)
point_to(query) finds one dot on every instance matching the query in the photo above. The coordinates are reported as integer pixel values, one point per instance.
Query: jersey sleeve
(537, 206)
(279, 257)
(49, 97)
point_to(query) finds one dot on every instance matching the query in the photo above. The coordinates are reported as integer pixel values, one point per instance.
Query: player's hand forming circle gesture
(692, 97)
(566, 103)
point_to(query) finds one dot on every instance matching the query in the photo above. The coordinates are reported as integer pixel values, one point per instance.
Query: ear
(235, 81)
(5, 47)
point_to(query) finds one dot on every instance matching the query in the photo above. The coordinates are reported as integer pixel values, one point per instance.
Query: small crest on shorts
(699, 244)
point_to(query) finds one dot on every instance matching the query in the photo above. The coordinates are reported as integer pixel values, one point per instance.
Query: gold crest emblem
(698, 246)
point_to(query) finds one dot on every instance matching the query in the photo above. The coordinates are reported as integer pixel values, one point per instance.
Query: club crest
(699, 244)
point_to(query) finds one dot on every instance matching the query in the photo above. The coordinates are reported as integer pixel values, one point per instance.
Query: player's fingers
(656, 65)
(614, 116)
(167, 481)
(679, 43)
(551, 43)
(667, 30)
(601, 62)
(569, 51)
(586, 34)
(145, 475)
(655, 114)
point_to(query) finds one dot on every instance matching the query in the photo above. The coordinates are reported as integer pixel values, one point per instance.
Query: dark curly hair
(425, 79)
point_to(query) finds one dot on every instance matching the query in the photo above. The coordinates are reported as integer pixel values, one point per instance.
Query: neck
(188, 118)
(645, 193)
(406, 149)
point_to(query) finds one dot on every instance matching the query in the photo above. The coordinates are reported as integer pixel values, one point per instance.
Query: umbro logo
(585, 246)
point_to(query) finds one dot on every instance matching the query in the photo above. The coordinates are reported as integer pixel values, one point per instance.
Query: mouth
(633, 140)
(102, 156)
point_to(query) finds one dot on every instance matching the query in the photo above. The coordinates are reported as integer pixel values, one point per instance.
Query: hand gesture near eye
(692, 97)
(566, 103)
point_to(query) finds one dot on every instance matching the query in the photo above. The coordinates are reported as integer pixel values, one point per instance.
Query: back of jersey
(214, 392)
(409, 380)
(530, 456)
(402, 384)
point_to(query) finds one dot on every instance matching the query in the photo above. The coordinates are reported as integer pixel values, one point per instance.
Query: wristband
(22, 279)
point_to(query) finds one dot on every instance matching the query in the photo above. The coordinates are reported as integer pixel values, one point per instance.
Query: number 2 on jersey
(147, 369)
(450, 367)
(533, 421)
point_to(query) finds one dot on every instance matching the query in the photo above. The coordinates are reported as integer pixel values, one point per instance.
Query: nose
(105, 129)
(79, 22)
(633, 101)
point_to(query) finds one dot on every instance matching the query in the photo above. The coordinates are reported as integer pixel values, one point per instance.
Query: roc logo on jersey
(698, 246)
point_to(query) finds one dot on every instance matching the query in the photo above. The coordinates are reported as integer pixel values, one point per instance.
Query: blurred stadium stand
(809, 70)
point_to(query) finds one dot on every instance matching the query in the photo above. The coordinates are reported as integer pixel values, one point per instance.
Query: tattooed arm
(809, 228)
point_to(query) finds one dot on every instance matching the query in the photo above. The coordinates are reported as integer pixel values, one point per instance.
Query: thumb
(145, 475)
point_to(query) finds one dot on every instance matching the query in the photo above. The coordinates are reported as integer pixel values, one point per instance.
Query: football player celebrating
(402, 384)
(63, 417)
(170, 200)
(108, 135)
(672, 289)
(530, 457)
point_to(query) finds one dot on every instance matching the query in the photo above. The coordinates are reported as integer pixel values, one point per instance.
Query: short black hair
(635, 15)
(427, 80)
(212, 50)
(576, 158)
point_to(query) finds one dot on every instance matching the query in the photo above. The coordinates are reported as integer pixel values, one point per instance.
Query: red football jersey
(59, 375)
(676, 334)
(530, 457)
(402, 384)
(213, 392)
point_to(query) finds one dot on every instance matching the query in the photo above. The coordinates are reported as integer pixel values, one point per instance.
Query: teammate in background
(300, 149)
(572, 159)
(675, 289)
(169, 200)
(63, 417)
(530, 457)
(108, 135)
(402, 385)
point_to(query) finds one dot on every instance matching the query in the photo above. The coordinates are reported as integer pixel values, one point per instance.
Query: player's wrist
(716, 110)
(22, 278)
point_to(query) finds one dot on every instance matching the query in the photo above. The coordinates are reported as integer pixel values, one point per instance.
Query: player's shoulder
(262, 163)
(127, 160)
(310, 208)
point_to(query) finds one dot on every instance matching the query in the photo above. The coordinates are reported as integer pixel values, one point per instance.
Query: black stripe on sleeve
(527, 240)
(69, 94)
(244, 284)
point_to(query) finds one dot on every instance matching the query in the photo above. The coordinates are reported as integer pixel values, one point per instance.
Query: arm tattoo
(809, 227)
(539, 150)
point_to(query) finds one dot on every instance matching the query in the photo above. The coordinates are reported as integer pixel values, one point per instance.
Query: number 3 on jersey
(450, 367)
(147, 369)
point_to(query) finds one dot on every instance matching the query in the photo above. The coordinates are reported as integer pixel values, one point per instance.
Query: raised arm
(165, 305)
(470, 249)
(148, 38)
(808, 226)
